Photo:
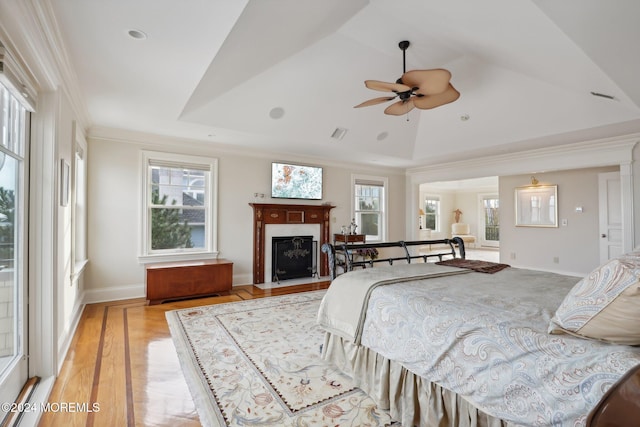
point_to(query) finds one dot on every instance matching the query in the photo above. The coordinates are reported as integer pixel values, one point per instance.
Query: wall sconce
(534, 181)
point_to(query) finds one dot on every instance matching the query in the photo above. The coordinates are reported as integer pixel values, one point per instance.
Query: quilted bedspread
(484, 336)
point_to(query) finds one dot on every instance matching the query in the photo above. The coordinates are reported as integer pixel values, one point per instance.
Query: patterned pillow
(604, 305)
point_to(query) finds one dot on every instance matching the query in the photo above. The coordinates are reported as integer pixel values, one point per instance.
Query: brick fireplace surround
(265, 213)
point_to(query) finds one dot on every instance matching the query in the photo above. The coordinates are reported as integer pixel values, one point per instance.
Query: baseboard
(65, 342)
(242, 279)
(115, 293)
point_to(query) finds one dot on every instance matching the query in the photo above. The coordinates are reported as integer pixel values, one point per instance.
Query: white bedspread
(343, 308)
(484, 337)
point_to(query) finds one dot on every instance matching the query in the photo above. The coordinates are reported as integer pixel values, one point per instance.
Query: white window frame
(384, 205)
(210, 250)
(438, 216)
(79, 204)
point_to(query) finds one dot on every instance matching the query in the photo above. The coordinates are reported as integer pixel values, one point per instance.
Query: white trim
(43, 235)
(385, 200)
(187, 256)
(601, 152)
(211, 220)
(114, 293)
(626, 191)
(64, 342)
(604, 152)
(163, 142)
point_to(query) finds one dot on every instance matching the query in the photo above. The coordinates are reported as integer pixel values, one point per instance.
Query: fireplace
(291, 217)
(292, 257)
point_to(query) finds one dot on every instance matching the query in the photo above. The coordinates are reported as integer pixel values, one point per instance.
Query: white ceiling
(214, 70)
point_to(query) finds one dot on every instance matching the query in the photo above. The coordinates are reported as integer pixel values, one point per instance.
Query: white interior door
(610, 210)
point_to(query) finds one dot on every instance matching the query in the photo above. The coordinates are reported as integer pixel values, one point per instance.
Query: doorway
(489, 222)
(14, 125)
(610, 215)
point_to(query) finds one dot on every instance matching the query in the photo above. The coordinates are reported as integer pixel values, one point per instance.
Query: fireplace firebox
(292, 257)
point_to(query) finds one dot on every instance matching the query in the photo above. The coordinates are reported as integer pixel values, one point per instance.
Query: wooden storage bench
(185, 279)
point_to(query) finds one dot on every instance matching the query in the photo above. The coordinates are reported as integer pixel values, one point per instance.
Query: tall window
(79, 215)
(432, 213)
(370, 206)
(179, 206)
(491, 206)
(14, 123)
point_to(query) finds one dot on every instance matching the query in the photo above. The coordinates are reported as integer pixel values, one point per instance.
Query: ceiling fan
(423, 89)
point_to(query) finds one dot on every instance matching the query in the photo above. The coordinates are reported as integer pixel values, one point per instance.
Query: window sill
(187, 256)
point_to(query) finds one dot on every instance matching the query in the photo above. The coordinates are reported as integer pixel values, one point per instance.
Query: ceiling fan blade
(386, 87)
(399, 108)
(431, 101)
(427, 82)
(375, 101)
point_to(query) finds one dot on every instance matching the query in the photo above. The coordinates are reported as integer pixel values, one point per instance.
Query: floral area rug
(257, 362)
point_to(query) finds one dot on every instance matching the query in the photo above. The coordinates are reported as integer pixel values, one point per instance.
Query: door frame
(603, 215)
(481, 223)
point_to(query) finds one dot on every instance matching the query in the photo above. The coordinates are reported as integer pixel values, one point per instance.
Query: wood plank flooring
(122, 368)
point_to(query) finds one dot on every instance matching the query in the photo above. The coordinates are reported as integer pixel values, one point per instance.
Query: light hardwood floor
(122, 361)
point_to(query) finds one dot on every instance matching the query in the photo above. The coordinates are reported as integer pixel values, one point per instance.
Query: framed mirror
(537, 206)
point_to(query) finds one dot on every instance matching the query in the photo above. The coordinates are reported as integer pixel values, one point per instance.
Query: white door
(610, 202)
(13, 308)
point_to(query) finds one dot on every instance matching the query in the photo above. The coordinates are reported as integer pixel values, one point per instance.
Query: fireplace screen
(292, 257)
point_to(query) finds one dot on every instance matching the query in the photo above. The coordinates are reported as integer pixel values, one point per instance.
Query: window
(369, 196)
(180, 206)
(432, 213)
(79, 205)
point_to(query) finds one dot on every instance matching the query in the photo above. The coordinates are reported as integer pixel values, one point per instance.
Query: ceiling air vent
(602, 95)
(339, 133)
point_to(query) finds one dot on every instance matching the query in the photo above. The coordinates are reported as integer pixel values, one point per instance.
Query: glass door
(490, 235)
(13, 309)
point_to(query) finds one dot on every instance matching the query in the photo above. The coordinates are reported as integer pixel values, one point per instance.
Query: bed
(439, 345)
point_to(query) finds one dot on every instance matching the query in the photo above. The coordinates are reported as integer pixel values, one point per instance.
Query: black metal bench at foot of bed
(343, 255)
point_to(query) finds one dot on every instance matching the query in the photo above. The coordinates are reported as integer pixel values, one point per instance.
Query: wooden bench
(187, 279)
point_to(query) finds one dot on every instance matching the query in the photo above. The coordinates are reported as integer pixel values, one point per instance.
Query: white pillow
(604, 305)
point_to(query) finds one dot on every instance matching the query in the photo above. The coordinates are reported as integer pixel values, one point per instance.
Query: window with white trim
(370, 206)
(432, 213)
(179, 206)
(79, 206)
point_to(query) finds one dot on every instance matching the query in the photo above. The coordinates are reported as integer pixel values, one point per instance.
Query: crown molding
(30, 30)
(600, 152)
(186, 145)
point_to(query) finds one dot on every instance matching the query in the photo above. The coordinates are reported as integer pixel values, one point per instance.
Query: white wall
(114, 181)
(576, 245)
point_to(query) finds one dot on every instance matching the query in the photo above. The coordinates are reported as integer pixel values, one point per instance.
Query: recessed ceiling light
(382, 136)
(276, 113)
(137, 34)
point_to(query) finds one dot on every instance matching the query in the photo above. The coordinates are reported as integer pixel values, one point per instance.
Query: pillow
(604, 305)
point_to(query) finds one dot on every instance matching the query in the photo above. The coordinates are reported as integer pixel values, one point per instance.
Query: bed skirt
(410, 399)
